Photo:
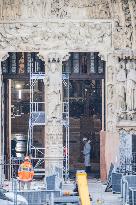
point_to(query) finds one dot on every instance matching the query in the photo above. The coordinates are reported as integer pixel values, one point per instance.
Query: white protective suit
(86, 152)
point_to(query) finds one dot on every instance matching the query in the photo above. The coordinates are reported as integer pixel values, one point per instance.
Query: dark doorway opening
(16, 106)
(86, 72)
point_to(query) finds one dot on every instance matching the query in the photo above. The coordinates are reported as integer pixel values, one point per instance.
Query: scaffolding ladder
(36, 118)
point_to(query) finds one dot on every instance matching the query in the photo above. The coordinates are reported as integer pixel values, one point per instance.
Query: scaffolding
(37, 118)
(65, 115)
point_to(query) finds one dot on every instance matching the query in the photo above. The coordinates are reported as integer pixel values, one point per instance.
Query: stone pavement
(99, 196)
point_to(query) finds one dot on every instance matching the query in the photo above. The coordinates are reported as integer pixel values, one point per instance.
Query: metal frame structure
(65, 116)
(37, 118)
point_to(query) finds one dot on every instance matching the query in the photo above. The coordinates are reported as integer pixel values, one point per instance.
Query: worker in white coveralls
(86, 153)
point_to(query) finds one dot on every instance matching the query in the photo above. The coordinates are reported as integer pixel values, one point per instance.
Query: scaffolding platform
(38, 118)
(37, 76)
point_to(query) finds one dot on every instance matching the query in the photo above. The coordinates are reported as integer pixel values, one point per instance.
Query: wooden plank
(83, 188)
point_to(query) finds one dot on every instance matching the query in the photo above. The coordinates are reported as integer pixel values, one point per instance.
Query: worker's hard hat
(84, 139)
(27, 158)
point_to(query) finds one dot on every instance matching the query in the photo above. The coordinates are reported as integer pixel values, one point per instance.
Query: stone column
(3, 56)
(53, 110)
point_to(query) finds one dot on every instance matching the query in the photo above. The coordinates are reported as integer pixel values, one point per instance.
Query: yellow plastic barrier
(83, 190)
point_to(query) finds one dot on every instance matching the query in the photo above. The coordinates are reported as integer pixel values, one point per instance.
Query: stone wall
(122, 13)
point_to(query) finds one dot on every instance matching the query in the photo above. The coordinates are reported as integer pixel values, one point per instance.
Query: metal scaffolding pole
(65, 80)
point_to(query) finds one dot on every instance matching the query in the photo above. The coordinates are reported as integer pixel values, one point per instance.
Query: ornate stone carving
(122, 13)
(125, 149)
(121, 87)
(124, 27)
(55, 36)
(25, 9)
(130, 115)
(121, 115)
(53, 99)
(3, 56)
(110, 71)
(131, 86)
(54, 92)
(126, 86)
(110, 111)
(128, 31)
(110, 92)
(124, 54)
(110, 126)
(111, 118)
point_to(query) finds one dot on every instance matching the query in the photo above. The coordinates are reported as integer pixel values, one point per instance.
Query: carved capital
(42, 56)
(53, 57)
(3, 56)
(103, 55)
(126, 54)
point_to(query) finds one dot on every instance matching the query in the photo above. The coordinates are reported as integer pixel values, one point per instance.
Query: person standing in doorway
(86, 153)
(26, 173)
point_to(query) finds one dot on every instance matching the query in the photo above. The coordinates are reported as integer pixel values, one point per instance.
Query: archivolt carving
(110, 111)
(110, 71)
(55, 35)
(18, 9)
(121, 87)
(124, 29)
(131, 86)
(110, 92)
(122, 13)
(111, 126)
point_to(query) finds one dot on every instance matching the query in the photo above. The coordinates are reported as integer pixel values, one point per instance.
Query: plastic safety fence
(116, 182)
(127, 183)
(38, 197)
(132, 196)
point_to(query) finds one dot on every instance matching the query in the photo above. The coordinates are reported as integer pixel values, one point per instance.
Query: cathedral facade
(54, 28)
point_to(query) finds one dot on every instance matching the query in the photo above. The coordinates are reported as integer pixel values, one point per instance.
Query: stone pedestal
(103, 171)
